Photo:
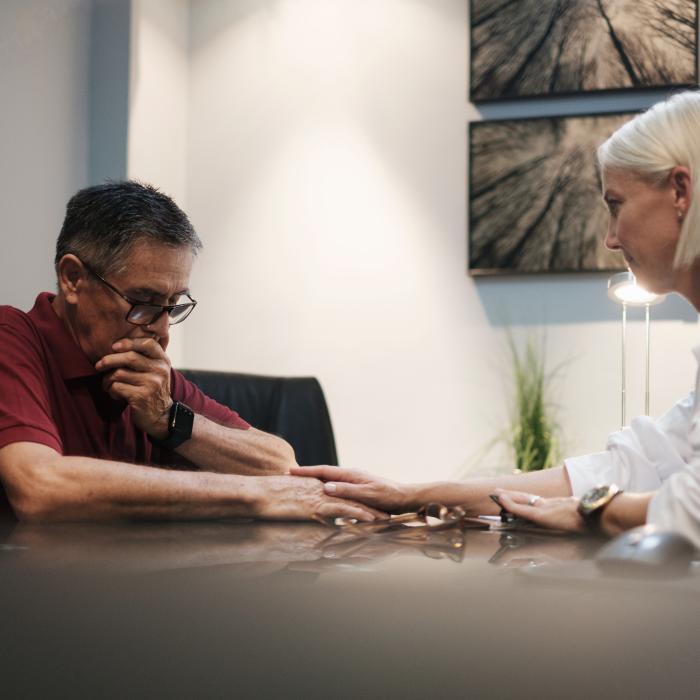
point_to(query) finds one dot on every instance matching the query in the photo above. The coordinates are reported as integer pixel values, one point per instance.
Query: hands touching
(295, 498)
(388, 496)
(138, 372)
(559, 513)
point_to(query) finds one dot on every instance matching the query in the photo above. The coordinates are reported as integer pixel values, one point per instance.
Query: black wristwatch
(593, 503)
(180, 423)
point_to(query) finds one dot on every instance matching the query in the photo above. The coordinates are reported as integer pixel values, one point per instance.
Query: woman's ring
(533, 500)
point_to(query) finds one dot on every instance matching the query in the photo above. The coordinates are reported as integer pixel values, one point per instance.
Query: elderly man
(94, 422)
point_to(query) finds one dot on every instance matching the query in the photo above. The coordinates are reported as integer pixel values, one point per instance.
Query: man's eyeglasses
(143, 314)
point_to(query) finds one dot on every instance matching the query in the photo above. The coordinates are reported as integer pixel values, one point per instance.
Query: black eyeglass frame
(159, 309)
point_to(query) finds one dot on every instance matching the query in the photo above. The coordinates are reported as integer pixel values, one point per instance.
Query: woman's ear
(71, 273)
(681, 182)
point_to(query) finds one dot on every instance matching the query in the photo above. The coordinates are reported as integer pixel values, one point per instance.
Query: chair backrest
(294, 408)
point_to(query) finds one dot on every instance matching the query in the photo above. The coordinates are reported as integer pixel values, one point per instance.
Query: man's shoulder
(12, 318)
(17, 328)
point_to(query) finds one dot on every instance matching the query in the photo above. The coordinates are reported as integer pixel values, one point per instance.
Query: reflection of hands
(256, 548)
(357, 485)
(518, 549)
(342, 548)
(295, 498)
(138, 372)
(553, 513)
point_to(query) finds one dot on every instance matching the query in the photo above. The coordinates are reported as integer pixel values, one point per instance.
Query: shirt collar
(71, 360)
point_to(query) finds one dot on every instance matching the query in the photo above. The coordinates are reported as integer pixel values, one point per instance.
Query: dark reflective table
(237, 609)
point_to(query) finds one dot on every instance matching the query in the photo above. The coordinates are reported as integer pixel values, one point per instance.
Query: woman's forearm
(474, 493)
(624, 512)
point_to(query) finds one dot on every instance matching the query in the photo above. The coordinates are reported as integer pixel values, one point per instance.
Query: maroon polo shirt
(50, 393)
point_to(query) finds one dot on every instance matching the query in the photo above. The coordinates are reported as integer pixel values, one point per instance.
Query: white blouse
(653, 455)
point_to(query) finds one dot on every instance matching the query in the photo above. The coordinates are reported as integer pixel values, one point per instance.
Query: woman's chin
(654, 286)
(645, 282)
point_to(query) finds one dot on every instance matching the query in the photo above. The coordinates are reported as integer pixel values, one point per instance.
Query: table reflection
(257, 549)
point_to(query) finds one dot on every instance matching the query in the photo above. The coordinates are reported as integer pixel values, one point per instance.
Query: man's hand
(553, 513)
(295, 498)
(138, 372)
(357, 485)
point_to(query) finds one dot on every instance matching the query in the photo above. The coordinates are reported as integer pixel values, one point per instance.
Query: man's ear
(72, 275)
(681, 182)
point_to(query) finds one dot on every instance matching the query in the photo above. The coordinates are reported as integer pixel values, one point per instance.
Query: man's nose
(161, 326)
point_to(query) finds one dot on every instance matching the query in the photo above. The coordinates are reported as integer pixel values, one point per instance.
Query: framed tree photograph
(535, 201)
(528, 48)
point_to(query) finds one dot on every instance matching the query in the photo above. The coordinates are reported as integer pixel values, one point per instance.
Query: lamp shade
(623, 289)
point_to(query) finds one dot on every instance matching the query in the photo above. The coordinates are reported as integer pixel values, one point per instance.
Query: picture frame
(535, 202)
(538, 48)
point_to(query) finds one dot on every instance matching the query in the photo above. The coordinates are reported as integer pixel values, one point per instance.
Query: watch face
(591, 498)
(596, 499)
(183, 420)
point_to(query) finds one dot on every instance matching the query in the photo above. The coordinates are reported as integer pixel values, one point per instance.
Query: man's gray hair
(103, 222)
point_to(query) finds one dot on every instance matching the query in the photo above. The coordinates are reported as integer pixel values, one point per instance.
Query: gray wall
(64, 81)
(44, 60)
(110, 42)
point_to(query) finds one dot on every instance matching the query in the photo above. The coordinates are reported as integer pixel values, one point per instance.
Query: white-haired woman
(650, 170)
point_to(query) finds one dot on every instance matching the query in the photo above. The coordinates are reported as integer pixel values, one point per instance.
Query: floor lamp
(624, 290)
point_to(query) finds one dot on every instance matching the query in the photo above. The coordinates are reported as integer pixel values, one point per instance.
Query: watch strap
(180, 422)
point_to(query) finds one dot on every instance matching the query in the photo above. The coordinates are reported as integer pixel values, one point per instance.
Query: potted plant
(533, 431)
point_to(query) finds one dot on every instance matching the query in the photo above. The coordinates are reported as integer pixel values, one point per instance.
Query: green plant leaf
(533, 430)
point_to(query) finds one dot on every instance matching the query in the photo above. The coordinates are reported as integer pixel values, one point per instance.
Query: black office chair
(292, 407)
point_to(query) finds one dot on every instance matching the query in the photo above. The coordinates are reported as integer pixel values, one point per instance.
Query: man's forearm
(82, 488)
(475, 492)
(45, 486)
(235, 451)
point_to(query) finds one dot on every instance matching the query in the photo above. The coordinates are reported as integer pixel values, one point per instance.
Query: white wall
(158, 94)
(158, 90)
(327, 174)
(44, 67)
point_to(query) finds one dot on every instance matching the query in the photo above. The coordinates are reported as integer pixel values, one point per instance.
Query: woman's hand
(356, 485)
(553, 513)
(290, 498)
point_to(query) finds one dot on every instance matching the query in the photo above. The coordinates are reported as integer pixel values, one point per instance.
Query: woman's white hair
(651, 144)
